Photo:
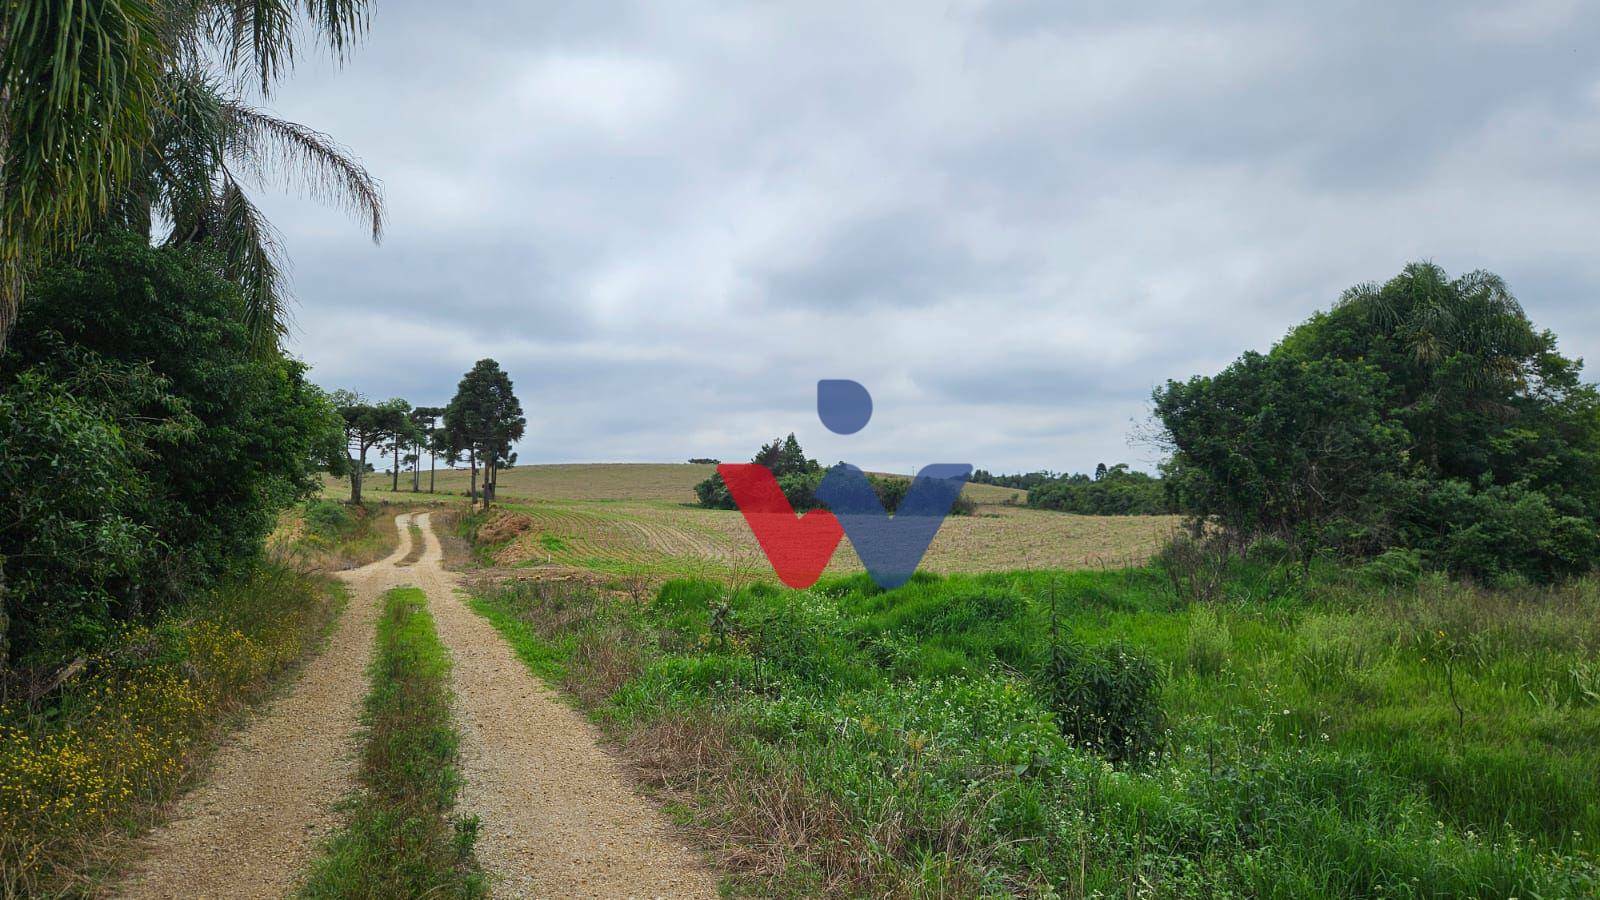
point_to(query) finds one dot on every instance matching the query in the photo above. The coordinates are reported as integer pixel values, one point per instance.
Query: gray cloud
(1008, 219)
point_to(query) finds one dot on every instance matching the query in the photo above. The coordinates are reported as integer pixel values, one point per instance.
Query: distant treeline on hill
(799, 477)
(1111, 491)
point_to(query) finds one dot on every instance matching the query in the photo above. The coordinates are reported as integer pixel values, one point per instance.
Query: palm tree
(119, 111)
(206, 144)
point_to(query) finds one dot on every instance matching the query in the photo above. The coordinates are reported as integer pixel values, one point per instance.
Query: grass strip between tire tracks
(401, 836)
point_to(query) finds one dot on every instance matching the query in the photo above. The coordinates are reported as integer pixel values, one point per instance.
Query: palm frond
(190, 151)
(257, 37)
(81, 81)
(340, 23)
(326, 170)
(253, 259)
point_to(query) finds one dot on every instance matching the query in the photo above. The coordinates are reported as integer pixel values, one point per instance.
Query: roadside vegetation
(97, 758)
(402, 839)
(149, 448)
(1199, 727)
(331, 536)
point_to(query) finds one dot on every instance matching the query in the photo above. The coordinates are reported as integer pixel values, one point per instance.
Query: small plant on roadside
(1107, 699)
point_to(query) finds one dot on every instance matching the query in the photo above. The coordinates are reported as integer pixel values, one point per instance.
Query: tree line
(1115, 490)
(799, 476)
(480, 424)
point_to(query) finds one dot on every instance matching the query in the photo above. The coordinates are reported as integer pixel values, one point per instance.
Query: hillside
(641, 518)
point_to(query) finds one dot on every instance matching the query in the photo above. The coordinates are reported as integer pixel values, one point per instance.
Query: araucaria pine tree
(485, 418)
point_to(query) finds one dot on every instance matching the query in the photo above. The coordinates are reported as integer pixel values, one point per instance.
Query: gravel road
(558, 816)
(267, 798)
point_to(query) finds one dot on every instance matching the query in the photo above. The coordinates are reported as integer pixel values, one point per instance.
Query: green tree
(366, 425)
(1426, 413)
(137, 382)
(186, 178)
(487, 417)
(423, 422)
(401, 434)
(1299, 449)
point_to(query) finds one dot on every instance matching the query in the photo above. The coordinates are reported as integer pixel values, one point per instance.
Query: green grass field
(1046, 710)
(1304, 734)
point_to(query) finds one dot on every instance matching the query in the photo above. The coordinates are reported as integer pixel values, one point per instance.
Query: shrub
(329, 519)
(1396, 567)
(1195, 567)
(1107, 699)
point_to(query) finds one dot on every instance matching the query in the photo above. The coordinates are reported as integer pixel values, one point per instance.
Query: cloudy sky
(1009, 220)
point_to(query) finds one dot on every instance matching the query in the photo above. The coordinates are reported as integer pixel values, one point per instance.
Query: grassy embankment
(401, 839)
(329, 535)
(1330, 733)
(99, 759)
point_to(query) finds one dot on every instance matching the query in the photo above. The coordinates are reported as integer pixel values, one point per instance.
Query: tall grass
(102, 755)
(328, 535)
(1328, 731)
(401, 839)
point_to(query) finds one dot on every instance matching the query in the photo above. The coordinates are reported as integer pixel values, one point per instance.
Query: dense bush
(1427, 414)
(149, 442)
(1108, 698)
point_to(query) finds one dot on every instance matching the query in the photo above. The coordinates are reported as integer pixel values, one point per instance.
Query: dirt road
(251, 826)
(558, 817)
